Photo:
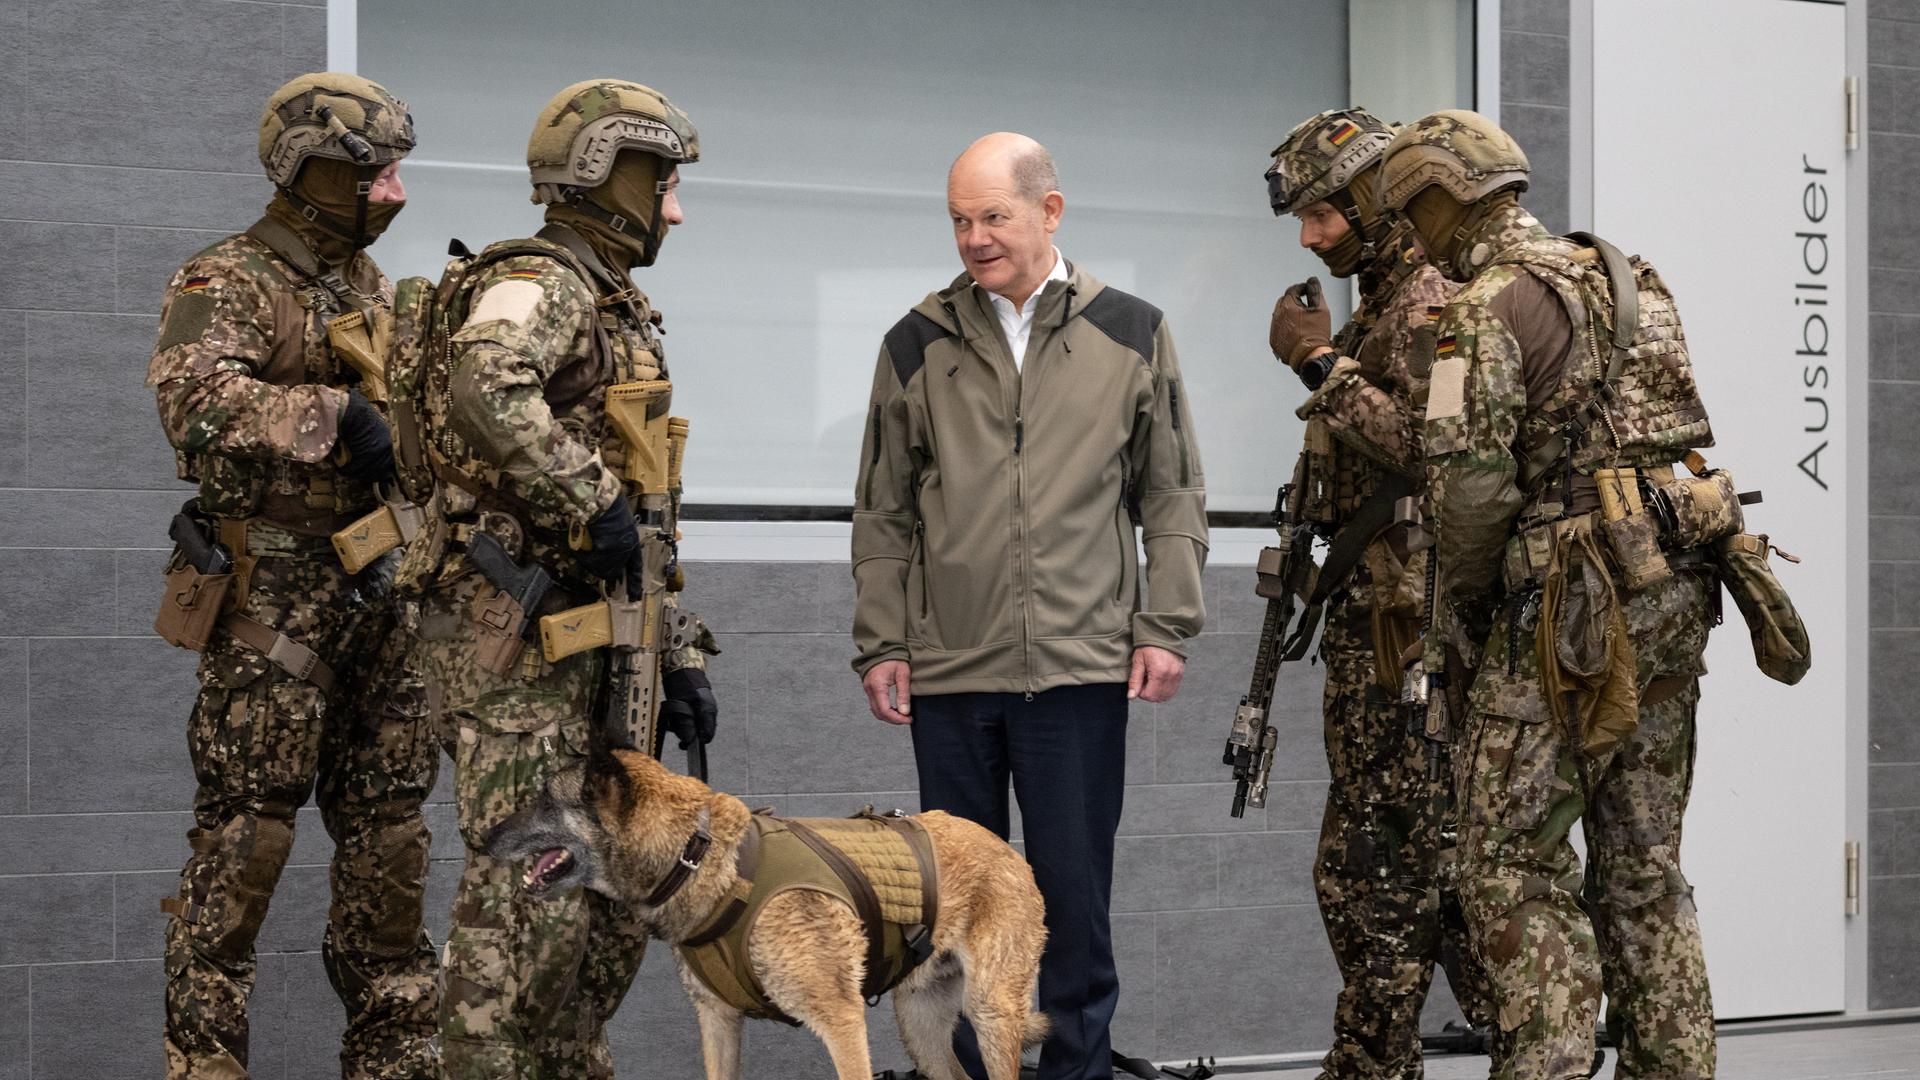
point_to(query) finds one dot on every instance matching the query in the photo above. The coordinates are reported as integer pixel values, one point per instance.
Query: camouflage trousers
(530, 983)
(261, 740)
(1552, 935)
(1383, 870)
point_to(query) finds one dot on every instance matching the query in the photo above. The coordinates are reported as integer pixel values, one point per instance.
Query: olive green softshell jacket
(993, 542)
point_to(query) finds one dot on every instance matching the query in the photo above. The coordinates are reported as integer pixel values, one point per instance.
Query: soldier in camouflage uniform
(1387, 827)
(303, 687)
(521, 438)
(1515, 430)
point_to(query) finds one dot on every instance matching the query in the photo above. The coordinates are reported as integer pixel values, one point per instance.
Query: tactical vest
(430, 453)
(309, 499)
(880, 865)
(1630, 400)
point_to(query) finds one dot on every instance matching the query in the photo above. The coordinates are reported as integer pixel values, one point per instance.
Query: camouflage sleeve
(216, 334)
(529, 316)
(1475, 405)
(1173, 509)
(1372, 403)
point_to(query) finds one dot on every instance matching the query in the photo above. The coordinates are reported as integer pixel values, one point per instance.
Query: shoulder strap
(1626, 298)
(276, 237)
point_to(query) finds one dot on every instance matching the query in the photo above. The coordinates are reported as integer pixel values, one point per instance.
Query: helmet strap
(363, 191)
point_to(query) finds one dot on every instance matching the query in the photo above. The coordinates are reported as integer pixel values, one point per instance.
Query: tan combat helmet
(332, 115)
(581, 130)
(580, 133)
(1322, 155)
(1466, 154)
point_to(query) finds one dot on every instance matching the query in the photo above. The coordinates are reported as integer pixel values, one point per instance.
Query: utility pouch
(393, 524)
(620, 623)
(1631, 530)
(361, 338)
(639, 413)
(500, 640)
(192, 606)
(1697, 510)
(1271, 568)
(1781, 648)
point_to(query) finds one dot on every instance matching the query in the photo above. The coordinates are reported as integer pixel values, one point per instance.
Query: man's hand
(689, 709)
(885, 675)
(1156, 674)
(1302, 326)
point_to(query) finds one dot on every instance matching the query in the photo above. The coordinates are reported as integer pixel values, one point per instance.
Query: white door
(1719, 154)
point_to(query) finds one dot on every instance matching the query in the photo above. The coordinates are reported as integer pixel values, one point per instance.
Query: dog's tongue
(548, 860)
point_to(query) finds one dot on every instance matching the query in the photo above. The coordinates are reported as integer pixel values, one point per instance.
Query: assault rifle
(1286, 573)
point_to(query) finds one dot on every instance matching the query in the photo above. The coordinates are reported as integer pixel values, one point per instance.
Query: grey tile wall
(1534, 97)
(1893, 478)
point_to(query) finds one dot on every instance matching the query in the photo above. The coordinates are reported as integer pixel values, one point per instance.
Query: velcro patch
(195, 284)
(507, 301)
(1447, 389)
(187, 318)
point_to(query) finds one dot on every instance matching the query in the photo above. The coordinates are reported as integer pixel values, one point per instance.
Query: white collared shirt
(1017, 324)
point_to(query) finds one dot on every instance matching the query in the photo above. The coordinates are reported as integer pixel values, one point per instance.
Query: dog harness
(882, 865)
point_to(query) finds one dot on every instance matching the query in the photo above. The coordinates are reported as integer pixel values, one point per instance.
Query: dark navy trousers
(1065, 751)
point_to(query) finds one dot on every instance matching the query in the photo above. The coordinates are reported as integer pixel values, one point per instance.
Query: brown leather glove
(1301, 324)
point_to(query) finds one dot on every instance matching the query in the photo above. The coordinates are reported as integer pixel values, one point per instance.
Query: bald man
(1023, 420)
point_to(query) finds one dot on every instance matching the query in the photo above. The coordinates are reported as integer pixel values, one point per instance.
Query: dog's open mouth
(548, 868)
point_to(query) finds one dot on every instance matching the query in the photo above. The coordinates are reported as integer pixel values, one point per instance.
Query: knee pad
(226, 886)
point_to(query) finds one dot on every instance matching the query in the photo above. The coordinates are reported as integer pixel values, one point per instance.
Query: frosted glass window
(817, 215)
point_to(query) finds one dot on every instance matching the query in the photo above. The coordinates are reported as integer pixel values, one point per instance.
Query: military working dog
(667, 845)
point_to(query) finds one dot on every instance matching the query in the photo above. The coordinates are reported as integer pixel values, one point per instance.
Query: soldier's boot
(224, 891)
(377, 954)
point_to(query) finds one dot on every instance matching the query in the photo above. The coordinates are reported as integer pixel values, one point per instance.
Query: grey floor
(1884, 1052)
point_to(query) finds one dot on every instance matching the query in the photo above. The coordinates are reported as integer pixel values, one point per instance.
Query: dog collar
(683, 870)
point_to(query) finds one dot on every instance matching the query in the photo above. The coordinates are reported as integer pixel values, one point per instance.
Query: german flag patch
(195, 284)
(1444, 347)
(522, 275)
(1347, 130)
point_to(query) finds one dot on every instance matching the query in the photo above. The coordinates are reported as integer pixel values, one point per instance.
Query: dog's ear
(608, 782)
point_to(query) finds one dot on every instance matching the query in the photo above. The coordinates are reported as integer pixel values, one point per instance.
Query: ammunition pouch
(1781, 647)
(396, 522)
(1630, 529)
(1697, 510)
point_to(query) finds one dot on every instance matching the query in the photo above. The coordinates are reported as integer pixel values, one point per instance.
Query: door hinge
(1853, 112)
(1853, 877)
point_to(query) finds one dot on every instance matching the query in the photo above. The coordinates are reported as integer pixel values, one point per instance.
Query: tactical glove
(616, 540)
(368, 443)
(1301, 324)
(688, 708)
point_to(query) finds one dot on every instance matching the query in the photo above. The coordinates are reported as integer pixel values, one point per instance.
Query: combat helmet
(584, 128)
(1464, 153)
(1322, 155)
(1325, 158)
(340, 117)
